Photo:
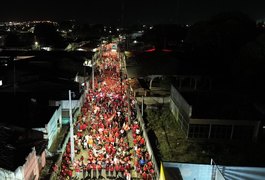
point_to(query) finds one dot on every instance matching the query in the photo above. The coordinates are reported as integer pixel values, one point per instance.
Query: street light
(93, 73)
(71, 128)
(91, 63)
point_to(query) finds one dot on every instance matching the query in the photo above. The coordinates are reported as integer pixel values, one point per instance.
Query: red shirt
(88, 167)
(94, 166)
(128, 166)
(117, 167)
(142, 141)
(150, 164)
(69, 173)
(135, 141)
(99, 167)
(122, 168)
(77, 169)
(111, 168)
(144, 176)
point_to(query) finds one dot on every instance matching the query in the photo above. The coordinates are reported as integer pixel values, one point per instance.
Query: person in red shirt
(128, 166)
(127, 175)
(94, 169)
(99, 167)
(117, 169)
(122, 169)
(77, 170)
(135, 141)
(88, 169)
(82, 158)
(69, 173)
(150, 164)
(152, 172)
(145, 168)
(149, 176)
(107, 168)
(147, 156)
(142, 142)
(55, 168)
(111, 169)
(144, 176)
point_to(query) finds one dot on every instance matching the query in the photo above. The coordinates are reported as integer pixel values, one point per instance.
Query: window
(221, 131)
(199, 131)
(243, 132)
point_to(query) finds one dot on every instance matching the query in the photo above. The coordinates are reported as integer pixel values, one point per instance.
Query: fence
(63, 147)
(142, 124)
(216, 172)
(148, 144)
(180, 109)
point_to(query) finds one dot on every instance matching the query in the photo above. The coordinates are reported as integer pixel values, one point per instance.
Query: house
(216, 115)
(22, 153)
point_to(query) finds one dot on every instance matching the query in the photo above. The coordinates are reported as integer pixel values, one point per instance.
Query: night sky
(133, 11)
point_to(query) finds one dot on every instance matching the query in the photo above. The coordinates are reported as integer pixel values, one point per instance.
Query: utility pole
(142, 106)
(93, 72)
(71, 128)
(14, 76)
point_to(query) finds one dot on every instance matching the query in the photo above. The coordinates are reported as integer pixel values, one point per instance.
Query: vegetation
(170, 144)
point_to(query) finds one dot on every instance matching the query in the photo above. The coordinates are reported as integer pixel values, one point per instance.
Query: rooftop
(16, 144)
(163, 63)
(26, 111)
(221, 105)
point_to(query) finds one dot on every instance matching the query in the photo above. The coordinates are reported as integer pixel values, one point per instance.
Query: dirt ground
(170, 144)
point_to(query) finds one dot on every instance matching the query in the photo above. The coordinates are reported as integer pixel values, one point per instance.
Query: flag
(162, 175)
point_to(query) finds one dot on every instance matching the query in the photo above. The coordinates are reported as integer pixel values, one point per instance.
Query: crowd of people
(108, 140)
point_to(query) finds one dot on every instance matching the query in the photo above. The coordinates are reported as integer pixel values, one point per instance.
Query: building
(188, 171)
(216, 115)
(22, 153)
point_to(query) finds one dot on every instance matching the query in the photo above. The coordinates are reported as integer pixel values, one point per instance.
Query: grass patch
(172, 145)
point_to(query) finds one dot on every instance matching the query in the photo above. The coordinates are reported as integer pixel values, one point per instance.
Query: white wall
(65, 104)
(52, 126)
(9, 175)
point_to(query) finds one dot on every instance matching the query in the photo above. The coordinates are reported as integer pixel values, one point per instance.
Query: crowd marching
(108, 139)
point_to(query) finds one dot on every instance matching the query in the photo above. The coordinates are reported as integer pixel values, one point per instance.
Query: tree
(249, 66)
(12, 40)
(219, 40)
(46, 34)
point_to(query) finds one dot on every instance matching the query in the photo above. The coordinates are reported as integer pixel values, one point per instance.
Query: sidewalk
(46, 171)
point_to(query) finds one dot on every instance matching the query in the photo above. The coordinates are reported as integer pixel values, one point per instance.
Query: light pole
(90, 63)
(142, 106)
(71, 128)
(93, 72)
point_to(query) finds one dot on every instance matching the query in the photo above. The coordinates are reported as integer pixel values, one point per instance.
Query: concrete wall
(154, 100)
(65, 104)
(31, 167)
(52, 126)
(251, 123)
(180, 102)
(42, 160)
(182, 112)
(188, 171)
(148, 144)
(76, 105)
(207, 172)
(9, 175)
(181, 117)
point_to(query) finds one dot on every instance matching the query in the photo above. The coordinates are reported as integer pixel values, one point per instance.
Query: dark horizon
(136, 12)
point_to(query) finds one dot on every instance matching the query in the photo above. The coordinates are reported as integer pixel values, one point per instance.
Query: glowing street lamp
(91, 63)
(71, 128)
